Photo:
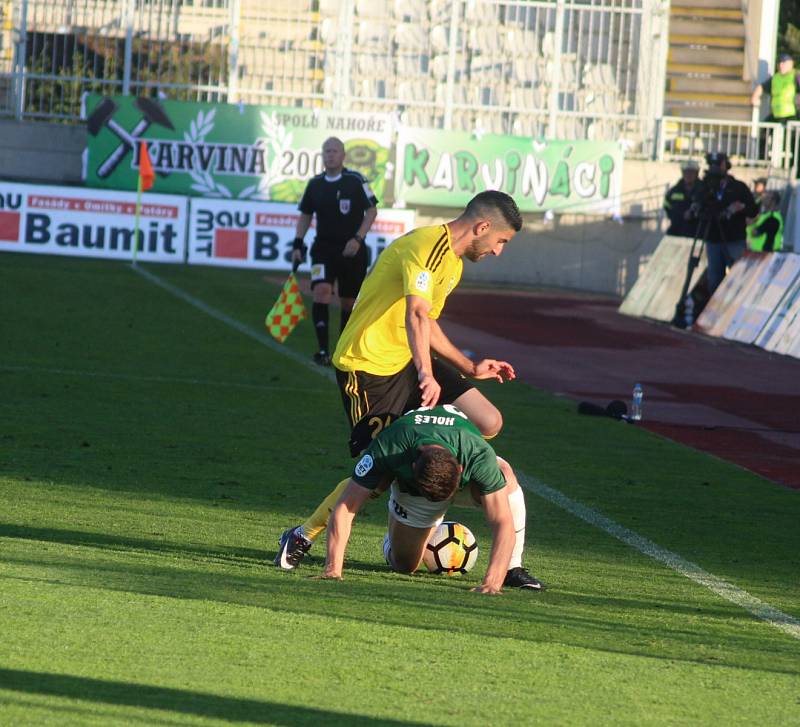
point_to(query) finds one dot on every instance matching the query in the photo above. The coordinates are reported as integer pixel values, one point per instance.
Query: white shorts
(419, 512)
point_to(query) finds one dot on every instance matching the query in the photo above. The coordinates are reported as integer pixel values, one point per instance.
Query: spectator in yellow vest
(782, 88)
(766, 233)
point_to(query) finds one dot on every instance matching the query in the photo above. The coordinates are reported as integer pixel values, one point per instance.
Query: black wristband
(359, 238)
(298, 244)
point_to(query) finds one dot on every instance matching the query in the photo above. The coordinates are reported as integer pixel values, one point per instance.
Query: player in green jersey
(425, 458)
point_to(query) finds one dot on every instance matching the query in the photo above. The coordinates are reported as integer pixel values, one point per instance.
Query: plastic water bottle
(688, 311)
(636, 404)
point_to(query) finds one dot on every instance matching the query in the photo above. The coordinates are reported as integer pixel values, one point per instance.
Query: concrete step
(687, 11)
(709, 85)
(704, 97)
(712, 4)
(707, 56)
(723, 113)
(707, 41)
(697, 70)
(715, 28)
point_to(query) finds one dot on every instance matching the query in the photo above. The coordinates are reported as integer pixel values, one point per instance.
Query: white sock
(387, 548)
(516, 501)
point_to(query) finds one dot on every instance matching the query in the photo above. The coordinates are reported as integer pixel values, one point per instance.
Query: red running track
(737, 402)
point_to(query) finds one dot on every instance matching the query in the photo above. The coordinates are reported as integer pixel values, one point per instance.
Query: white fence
(555, 68)
(560, 69)
(766, 144)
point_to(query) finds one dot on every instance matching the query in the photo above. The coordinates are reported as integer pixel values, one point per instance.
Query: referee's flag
(146, 174)
(287, 312)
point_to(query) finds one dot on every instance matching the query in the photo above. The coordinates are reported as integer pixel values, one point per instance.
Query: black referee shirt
(339, 204)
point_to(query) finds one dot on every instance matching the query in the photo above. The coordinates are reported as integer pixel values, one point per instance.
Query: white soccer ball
(452, 550)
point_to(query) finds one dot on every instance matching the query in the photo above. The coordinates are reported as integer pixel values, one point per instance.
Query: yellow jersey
(420, 263)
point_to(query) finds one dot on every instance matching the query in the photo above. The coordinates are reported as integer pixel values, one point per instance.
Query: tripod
(700, 235)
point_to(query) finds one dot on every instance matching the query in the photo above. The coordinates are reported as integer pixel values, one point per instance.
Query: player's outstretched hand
(490, 590)
(488, 368)
(429, 389)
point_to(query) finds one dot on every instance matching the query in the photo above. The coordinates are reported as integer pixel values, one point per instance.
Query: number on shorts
(377, 424)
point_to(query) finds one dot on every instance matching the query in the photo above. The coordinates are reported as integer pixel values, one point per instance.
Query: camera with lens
(708, 203)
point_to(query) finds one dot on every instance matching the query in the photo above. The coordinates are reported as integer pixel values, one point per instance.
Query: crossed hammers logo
(102, 117)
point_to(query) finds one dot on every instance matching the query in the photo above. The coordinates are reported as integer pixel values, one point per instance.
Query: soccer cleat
(293, 547)
(321, 358)
(520, 578)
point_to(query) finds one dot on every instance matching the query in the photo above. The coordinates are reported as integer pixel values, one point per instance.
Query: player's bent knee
(490, 424)
(481, 412)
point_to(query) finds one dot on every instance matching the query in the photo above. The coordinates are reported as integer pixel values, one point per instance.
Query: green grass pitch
(150, 455)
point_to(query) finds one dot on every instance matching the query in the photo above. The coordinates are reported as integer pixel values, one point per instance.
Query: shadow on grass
(126, 544)
(656, 627)
(179, 700)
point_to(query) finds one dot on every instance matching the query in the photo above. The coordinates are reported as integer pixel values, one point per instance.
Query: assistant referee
(345, 208)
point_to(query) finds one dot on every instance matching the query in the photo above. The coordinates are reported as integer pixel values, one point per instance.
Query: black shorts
(373, 402)
(329, 266)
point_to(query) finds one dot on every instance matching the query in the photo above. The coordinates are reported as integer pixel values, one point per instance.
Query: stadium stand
(597, 61)
(706, 58)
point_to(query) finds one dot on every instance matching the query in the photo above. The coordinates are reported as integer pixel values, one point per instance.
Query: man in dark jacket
(727, 203)
(679, 200)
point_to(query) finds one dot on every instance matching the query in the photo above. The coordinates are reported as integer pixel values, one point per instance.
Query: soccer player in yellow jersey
(384, 362)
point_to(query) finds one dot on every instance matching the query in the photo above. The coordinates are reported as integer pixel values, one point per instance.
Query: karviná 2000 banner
(226, 151)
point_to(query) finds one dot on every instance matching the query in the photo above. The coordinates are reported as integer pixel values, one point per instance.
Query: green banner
(445, 168)
(227, 151)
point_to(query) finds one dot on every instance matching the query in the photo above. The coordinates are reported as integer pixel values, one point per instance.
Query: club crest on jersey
(423, 280)
(364, 465)
(344, 206)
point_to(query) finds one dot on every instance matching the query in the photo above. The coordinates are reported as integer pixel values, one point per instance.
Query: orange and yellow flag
(147, 176)
(287, 312)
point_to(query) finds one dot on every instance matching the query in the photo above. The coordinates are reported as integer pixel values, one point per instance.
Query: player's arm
(340, 525)
(498, 515)
(366, 224)
(418, 332)
(356, 241)
(487, 368)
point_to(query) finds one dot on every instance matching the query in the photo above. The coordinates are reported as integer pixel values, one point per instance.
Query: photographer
(727, 203)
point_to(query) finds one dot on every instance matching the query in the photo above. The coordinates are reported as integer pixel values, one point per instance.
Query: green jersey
(394, 450)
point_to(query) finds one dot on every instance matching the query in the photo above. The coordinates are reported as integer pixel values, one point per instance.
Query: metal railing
(540, 67)
(559, 69)
(746, 143)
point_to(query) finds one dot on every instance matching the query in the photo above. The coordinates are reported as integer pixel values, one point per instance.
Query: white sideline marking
(693, 572)
(153, 379)
(262, 338)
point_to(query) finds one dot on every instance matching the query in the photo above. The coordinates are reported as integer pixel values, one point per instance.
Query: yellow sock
(313, 527)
